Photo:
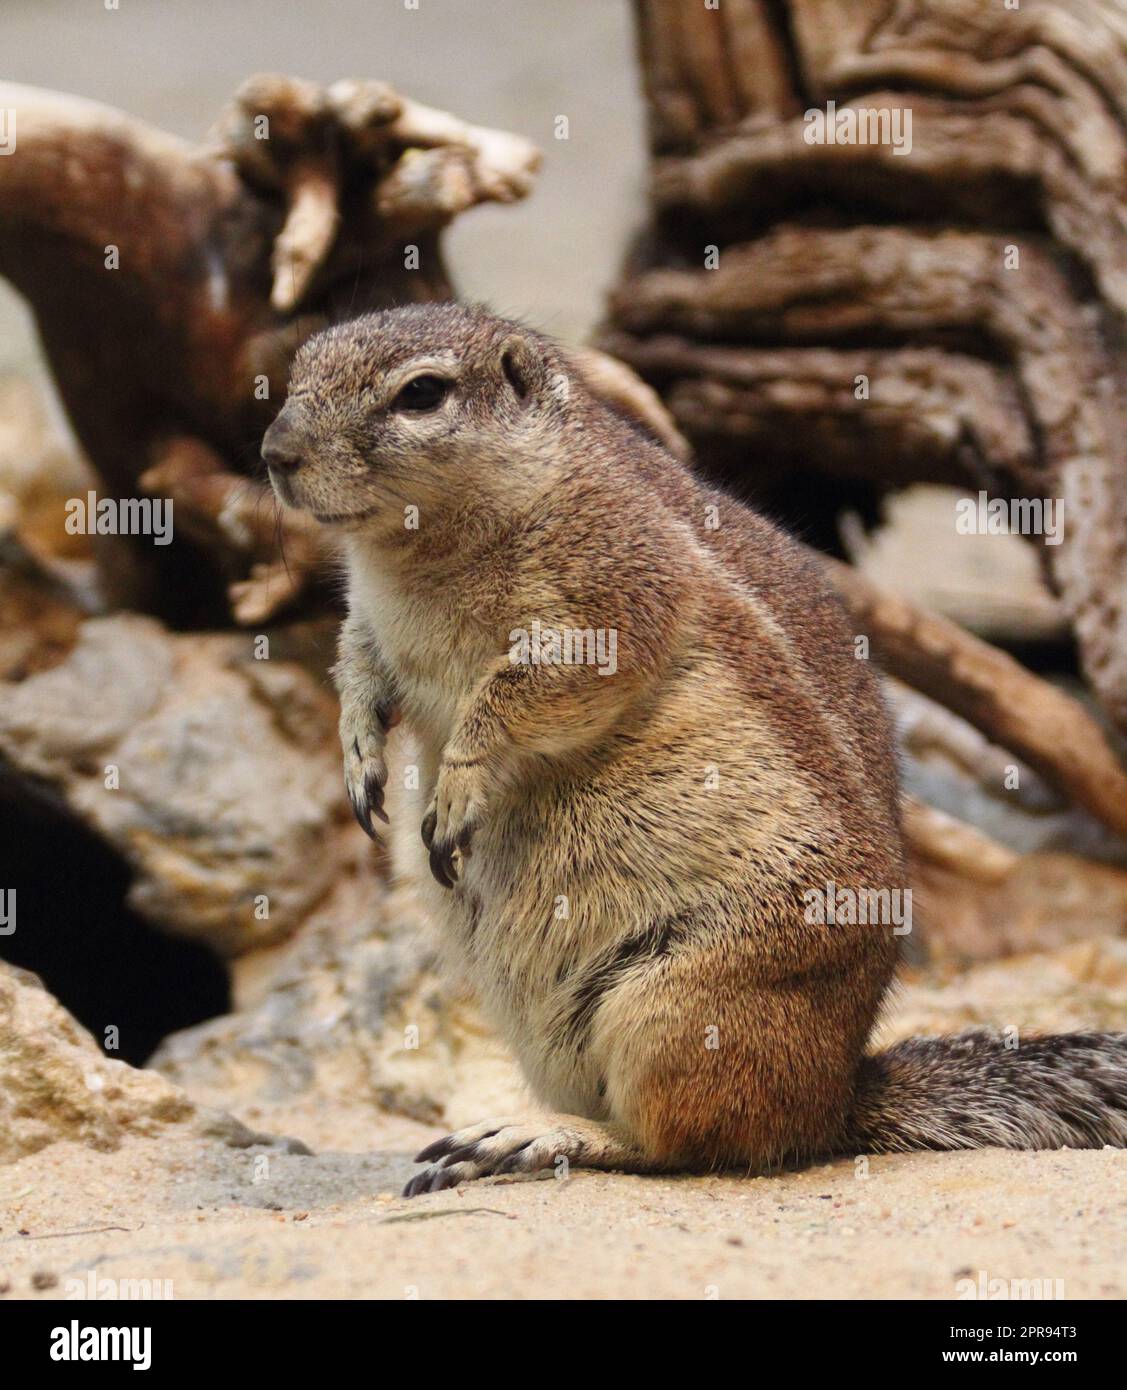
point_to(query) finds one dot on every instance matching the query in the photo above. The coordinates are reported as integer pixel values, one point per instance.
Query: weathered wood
(1052, 732)
(976, 275)
(925, 413)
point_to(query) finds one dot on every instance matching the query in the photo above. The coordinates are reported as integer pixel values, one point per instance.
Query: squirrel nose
(280, 451)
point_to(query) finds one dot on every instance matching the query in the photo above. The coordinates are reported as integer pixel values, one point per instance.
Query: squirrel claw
(454, 815)
(367, 805)
(442, 863)
(503, 1147)
(365, 776)
(441, 852)
(444, 853)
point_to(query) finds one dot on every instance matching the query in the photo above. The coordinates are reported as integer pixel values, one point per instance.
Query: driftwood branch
(186, 277)
(1046, 728)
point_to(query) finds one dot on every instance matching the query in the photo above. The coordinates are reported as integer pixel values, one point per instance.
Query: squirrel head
(414, 406)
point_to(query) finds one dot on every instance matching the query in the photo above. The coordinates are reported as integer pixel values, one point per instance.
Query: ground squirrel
(646, 747)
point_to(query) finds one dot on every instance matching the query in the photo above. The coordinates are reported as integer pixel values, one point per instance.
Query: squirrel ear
(521, 366)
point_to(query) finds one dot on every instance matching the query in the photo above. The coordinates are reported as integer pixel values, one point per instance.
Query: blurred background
(547, 259)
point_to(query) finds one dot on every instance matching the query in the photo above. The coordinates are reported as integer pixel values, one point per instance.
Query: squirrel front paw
(456, 811)
(365, 771)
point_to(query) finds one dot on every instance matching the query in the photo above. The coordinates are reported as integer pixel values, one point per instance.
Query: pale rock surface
(228, 805)
(351, 1015)
(991, 584)
(58, 1085)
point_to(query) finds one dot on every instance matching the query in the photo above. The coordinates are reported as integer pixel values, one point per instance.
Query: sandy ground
(224, 1224)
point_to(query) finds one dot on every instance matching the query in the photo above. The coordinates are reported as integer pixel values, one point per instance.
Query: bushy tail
(970, 1091)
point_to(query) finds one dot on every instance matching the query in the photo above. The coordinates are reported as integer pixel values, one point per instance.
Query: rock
(214, 775)
(58, 1085)
(992, 585)
(350, 1017)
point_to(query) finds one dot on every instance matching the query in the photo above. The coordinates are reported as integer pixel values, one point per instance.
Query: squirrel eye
(421, 393)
